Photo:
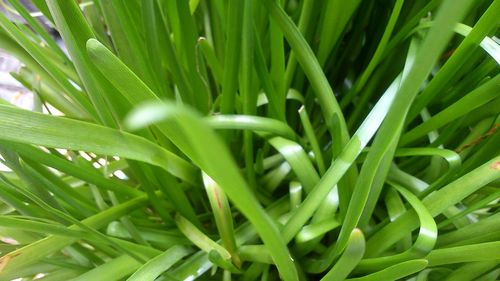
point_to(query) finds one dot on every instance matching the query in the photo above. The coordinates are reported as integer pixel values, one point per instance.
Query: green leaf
(40, 129)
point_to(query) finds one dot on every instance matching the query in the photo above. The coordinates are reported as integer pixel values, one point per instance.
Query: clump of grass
(253, 140)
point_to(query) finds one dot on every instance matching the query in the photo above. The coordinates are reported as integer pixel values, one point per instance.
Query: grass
(253, 140)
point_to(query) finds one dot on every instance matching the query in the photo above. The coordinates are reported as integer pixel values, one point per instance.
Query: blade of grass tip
(339, 167)
(347, 262)
(395, 272)
(291, 95)
(192, 135)
(212, 60)
(156, 266)
(377, 164)
(223, 217)
(136, 91)
(436, 203)
(232, 56)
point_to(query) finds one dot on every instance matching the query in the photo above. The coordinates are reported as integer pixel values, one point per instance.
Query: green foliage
(253, 140)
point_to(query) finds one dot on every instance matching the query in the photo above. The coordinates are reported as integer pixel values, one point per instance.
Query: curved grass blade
(436, 203)
(423, 245)
(347, 262)
(451, 157)
(298, 160)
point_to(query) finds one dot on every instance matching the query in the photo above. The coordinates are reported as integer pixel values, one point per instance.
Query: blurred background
(10, 89)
